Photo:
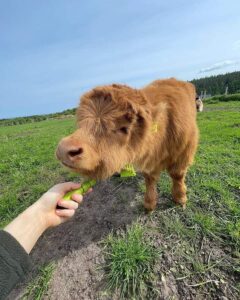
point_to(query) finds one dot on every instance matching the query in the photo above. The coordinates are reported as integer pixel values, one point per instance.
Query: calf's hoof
(150, 206)
(181, 201)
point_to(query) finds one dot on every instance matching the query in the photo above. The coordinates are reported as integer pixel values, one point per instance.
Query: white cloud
(219, 65)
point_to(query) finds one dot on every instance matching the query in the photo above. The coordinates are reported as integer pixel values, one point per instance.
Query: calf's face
(112, 123)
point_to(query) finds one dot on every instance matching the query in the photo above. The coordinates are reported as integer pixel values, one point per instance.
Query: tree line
(36, 118)
(216, 85)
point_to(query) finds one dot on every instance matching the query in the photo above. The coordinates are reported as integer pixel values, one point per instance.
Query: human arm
(18, 238)
(31, 223)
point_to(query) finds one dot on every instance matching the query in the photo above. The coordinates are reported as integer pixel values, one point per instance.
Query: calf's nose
(74, 152)
(69, 151)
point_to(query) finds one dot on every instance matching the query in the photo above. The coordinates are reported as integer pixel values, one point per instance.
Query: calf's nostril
(75, 152)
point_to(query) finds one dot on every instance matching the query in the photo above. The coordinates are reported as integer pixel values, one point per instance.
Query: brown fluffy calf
(153, 128)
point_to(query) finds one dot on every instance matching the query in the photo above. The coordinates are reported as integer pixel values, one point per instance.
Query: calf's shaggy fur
(153, 128)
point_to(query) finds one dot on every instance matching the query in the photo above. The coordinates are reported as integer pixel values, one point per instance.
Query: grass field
(195, 253)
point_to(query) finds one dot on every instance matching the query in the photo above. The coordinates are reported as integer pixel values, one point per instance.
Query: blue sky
(53, 51)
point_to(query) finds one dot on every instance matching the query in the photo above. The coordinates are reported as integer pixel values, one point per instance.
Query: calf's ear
(139, 114)
(131, 113)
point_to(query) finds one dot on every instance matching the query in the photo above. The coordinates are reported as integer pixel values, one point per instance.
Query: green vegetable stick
(128, 171)
(86, 185)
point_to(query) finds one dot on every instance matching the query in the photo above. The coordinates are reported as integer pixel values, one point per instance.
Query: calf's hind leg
(179, 188)
(178, 171)
(150, 199)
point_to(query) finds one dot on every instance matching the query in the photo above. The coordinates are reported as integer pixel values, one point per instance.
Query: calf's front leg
(150, 199)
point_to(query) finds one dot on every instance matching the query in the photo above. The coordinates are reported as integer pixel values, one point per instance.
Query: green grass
(216, 105)
(215, 178)
(130, 259)
(39, 286)
(28, 166)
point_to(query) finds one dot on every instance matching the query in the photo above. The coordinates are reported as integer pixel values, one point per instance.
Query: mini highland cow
(153, 128)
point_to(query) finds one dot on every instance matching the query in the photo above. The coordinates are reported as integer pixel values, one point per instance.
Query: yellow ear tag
(154, 127)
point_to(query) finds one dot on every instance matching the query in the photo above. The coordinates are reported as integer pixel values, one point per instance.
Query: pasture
(111, 248)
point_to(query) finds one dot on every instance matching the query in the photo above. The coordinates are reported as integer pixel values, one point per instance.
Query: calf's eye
(123, 130)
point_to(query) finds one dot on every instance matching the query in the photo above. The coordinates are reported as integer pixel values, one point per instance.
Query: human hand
(27, 227)
(47, 204)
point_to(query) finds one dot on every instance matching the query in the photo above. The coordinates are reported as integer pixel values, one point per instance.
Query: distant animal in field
(153, 128)
(199, 104)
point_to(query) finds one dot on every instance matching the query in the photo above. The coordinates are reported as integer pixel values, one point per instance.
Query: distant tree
(35, 118)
